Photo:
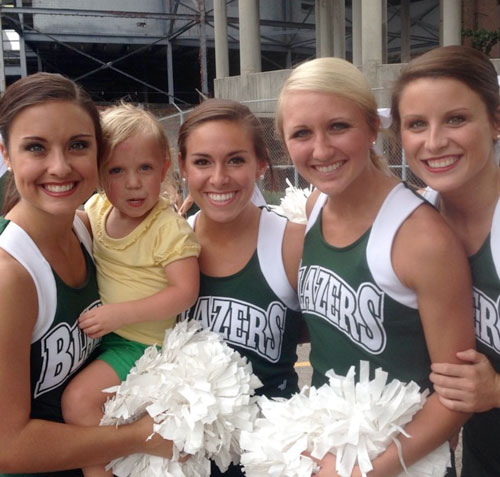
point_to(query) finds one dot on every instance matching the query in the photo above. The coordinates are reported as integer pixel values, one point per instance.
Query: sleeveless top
(355, 306)
(58, 347)
(256, 310)
(481, 434)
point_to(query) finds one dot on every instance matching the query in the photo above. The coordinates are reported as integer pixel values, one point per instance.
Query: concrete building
(160, 51)
(382, 35)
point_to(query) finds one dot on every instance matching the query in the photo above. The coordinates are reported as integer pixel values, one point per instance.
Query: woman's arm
(34, 445)
(311, 200)
(183, 278)
(293, 244)
(429, 259)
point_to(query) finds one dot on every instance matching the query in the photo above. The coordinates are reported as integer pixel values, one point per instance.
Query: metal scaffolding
(185, 25)
(122, 51)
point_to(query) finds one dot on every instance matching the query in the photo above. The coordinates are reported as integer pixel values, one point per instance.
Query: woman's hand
(154, 444)
(327, 466)
(470, 387)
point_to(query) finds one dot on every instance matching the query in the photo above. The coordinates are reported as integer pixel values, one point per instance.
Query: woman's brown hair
(462, 63)
(34, 90)
(225, 110)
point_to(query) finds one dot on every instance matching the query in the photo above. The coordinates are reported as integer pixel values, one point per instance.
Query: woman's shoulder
(18, 305)
(15, 279)
(426, 242)
(25, 265)
(294, 231)
(428, 224)
(311, 201)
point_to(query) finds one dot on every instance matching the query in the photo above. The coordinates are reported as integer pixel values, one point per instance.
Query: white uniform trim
(17, 243)
(316, 210)
(83, 234)
(191, 220)
(495, 238)
(257, 197)
(433, 197)
(397, 207)
(430, 195)
(269, 253)
(269, 250)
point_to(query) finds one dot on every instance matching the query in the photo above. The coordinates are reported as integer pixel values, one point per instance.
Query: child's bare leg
(83, 400)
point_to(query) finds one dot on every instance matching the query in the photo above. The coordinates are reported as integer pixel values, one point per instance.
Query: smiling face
(53, 155)
(221, 167)
(132, 176)
(447, 135)
(328, 139)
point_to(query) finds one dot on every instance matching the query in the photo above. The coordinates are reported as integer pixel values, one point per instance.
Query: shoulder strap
(269, 244)
(495, 238)
(191, 220)
(316, 210)
(257, 197)
(83, 234)
(431, 196)
(397, 207)
(15, 241)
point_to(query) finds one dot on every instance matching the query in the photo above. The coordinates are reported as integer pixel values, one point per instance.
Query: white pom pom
(354, 421)
(199, 393)
(293, 204)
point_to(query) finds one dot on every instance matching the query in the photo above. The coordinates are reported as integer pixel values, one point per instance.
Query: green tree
(482, 39)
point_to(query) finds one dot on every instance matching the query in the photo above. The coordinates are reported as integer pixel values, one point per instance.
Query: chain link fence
(274, 183)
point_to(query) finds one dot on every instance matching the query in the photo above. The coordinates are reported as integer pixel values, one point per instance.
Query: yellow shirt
(132, 267)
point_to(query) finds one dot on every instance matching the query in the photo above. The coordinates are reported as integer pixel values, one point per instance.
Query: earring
(374, 143)
(183, 180)
(9, 169)
(261, 177)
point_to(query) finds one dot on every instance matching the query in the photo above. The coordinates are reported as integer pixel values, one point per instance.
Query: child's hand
(100, 321)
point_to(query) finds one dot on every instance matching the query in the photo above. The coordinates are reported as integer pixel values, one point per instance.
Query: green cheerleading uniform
(256, 310)
(481, 433)
(58, 347)
(355, 306)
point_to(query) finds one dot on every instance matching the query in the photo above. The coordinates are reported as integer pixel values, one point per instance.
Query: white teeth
(442, 162)
(221, 197)
(331, 167)
(59, 188)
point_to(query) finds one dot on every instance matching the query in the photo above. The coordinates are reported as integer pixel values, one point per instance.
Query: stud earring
(9, 169)
(183, 180)
(261, 177)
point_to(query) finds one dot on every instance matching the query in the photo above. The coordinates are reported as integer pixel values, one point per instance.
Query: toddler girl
(146, 257)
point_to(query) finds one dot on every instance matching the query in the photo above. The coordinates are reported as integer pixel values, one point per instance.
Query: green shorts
(120, 353)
